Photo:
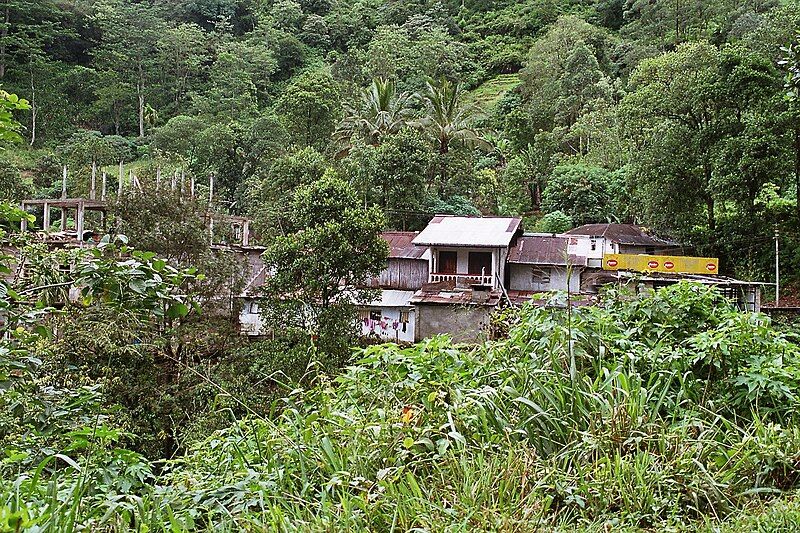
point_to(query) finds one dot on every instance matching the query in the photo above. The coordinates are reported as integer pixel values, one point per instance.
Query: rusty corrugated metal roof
(401, 244)
(543, 250)
(447, 230)
(623, 234)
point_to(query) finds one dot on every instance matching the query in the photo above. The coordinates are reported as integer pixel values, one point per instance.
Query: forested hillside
(677, 115)
(131, 397)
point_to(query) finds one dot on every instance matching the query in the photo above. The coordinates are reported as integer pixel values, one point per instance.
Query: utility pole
(777, 268)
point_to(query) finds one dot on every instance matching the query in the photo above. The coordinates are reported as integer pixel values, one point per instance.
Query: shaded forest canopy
(677, 115)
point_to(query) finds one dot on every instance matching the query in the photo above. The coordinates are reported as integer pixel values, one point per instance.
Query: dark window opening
(480, 263)
(448, 262)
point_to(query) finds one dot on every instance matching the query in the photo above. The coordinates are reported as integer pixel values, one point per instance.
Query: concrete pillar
(79, 222)
(23, 224)
(46, 222)
(63, 219)
(246, 233)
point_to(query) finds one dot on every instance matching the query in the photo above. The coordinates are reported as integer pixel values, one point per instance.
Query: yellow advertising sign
(675, 264)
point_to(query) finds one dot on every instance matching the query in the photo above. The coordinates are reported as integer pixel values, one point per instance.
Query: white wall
(390, 317)
(582, 245)
(522, 278)
(250, 321)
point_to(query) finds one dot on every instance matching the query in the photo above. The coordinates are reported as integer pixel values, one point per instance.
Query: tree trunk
(34, 108)
(797, 164)
(3, 36)
(712, 220)
(140, 94)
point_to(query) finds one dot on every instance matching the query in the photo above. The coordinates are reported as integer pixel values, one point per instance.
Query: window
(540, 276)
(376, 315)
(480, 263)
(254, 308)
(404, 317)
(594, 243)
(448, 262)
(363, 314)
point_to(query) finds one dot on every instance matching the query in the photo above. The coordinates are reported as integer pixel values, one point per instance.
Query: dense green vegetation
(135, 406)
(682, 116)
(657, 411)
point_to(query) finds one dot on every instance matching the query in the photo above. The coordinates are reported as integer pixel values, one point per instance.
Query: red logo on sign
(669, 265)
(711, 267)
(612, 262)
(652, 264)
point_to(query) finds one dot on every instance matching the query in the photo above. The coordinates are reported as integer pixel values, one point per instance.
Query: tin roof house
(467, 274)
(392, 316)
(542, 263)
(593, 241)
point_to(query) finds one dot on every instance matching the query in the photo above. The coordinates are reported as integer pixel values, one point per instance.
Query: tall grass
(660, 413)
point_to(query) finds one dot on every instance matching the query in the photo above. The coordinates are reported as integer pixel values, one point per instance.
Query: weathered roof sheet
(446, 230)
(455, 297)
(392, 298)
(401, 244)
(623, 234)
(543, 250)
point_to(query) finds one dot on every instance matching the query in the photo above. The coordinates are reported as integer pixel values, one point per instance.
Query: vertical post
(777, 268)
(93, 188)
(64, 183)
(210, 189)
(191, 187)
(183, 182)
(246, 233)
(211, 228)
(46, 221)
(23, 223)
(103, 189)
(119, 183)
(174, 179)
(79, 222)
(131, 183)
(63, 219)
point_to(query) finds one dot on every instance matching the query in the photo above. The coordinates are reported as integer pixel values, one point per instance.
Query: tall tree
(381, 111)
(310, 107)
(448, 119)
(681, 108)
(332, 248)
(129, 45)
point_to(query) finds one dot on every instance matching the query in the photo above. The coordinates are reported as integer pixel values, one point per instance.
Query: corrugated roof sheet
(543, 250)
(622, 234)
(446, 230)
(401, 244)
(393, 298)
(437, 293)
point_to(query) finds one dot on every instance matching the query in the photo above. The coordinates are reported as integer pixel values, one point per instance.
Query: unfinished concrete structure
(80, 206)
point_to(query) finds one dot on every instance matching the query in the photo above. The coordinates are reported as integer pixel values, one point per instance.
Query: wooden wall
(403, 274)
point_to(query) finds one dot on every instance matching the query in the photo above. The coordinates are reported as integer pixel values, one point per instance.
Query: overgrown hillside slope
(672, 411)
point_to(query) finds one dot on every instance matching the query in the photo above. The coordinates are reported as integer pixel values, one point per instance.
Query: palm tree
(447, 119)
(381, 112)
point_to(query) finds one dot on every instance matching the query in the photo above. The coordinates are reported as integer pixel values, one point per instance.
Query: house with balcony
(467, 265)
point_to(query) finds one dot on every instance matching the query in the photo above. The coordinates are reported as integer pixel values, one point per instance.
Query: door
(448, 262)
(480, 263)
